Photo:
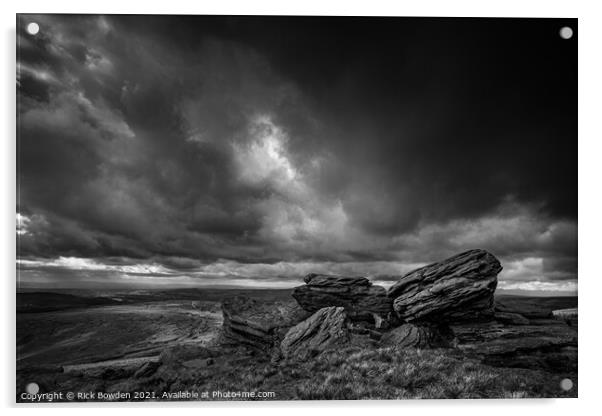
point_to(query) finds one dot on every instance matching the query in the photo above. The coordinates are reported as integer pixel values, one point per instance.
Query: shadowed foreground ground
(170, 342)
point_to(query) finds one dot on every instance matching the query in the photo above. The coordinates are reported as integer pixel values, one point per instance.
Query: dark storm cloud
(461, 108)
(156, 165)
(192, 141)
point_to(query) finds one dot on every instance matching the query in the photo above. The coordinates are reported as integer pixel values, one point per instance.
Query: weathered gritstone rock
(511, 318)
(570, 316)
(418, 336)
(147, 369)
(455, 289)
(111, 369)
(259, 324)
(324, 329)
(360, 298)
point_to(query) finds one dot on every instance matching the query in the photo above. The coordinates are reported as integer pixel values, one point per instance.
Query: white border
(590, 209)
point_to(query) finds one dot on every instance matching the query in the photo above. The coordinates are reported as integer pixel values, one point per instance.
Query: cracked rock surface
(324, 329)
(458, 288)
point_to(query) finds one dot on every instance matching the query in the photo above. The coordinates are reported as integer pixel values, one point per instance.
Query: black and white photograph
(293, 208)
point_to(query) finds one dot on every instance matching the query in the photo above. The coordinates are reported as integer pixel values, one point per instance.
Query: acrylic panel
(295, 208)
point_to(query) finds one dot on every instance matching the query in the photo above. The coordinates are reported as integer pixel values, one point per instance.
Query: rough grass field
(384, 373)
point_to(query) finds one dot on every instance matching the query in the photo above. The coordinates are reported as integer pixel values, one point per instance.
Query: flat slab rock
(259, 324)
(360, 298)
(511, 318)
(323, 330)
(458, 288)
(418, 336)
(570, 316)
(112, 369)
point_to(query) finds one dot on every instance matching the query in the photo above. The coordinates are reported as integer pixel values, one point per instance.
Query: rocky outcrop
(418, 336)
(442, 305)
(323, 330)
(259, 324)
(454, 289)
(360, 298)
(570, 316)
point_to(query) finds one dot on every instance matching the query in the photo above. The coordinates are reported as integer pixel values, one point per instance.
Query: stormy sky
(208, 150)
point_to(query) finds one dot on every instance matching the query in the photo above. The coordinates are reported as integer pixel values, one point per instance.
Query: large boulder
(323, 330)
(260, 324)
(454, 289)
(418, 336)
(360, 298)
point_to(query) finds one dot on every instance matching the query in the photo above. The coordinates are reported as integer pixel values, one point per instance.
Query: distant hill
(50, 301)
(31, 302)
